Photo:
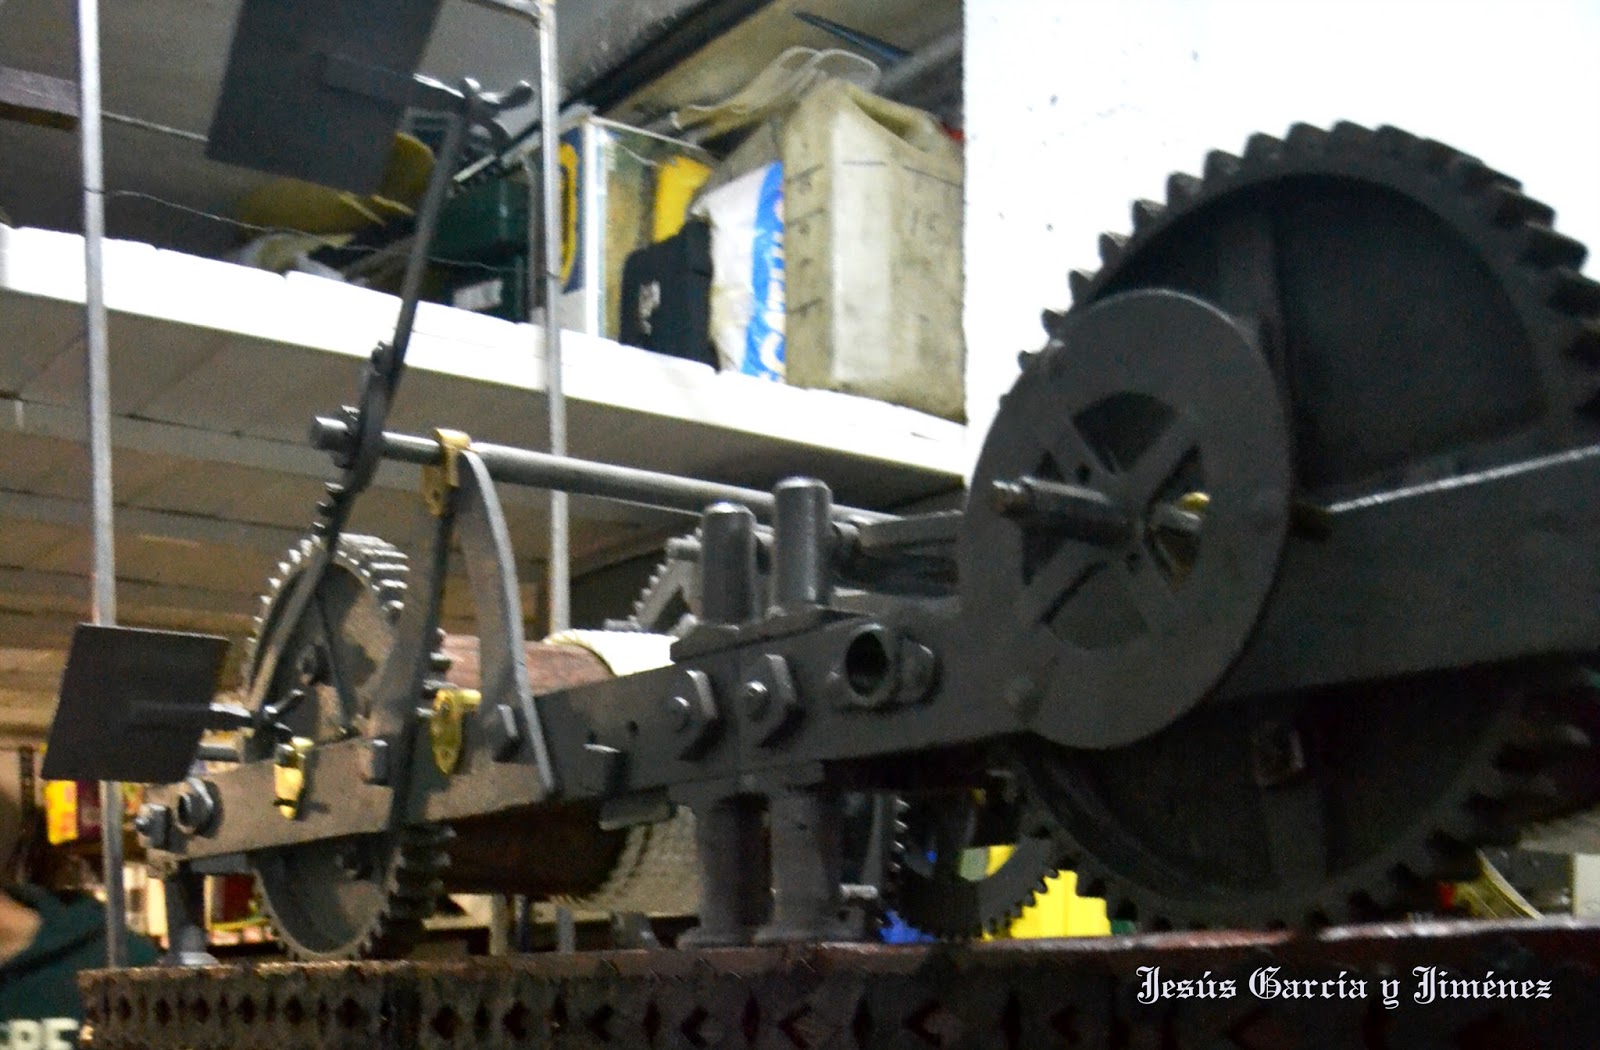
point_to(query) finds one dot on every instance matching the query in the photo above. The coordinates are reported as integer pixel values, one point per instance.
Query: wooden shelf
(217, 370)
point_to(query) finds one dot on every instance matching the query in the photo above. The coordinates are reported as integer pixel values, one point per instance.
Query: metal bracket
(439, 478)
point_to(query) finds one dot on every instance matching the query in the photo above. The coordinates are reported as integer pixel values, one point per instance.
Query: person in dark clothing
(45, 940)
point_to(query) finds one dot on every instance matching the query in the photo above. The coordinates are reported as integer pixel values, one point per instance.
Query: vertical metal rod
(727, 564)
(566, 929)
(552, 225)
(802, 537)
(99, 397)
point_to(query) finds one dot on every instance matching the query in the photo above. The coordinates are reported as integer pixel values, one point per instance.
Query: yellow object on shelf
(676, 182)
(291, 204)
(1058, 911)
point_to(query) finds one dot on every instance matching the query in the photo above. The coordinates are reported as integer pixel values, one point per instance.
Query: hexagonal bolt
(771, 701)
(694, 708)
(154, 825)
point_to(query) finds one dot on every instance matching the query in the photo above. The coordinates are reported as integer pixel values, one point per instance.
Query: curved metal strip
(492, 574)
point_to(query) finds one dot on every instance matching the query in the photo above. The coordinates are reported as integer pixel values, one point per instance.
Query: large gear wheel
(1347, 804)
(1422, 319)
(364, 896)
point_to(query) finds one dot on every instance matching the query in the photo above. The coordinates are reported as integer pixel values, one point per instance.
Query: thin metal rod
(427, 220)
(98, 372)
(555, 397)
(584, 477)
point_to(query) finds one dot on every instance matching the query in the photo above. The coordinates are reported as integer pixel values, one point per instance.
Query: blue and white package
(747, 264)
(763, 347)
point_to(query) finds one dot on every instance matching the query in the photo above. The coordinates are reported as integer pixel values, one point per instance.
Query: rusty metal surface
(1010, 995)
(550, 667)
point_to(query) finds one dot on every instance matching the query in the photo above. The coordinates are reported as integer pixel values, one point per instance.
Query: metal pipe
(582, 476)
(946, 48)
(555, 397)
(98, 372)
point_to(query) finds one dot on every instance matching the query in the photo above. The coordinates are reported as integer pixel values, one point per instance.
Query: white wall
(1074, 108)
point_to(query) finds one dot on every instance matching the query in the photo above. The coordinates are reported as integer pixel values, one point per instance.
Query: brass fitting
(445, 727)
(289, 776)
(439, 478)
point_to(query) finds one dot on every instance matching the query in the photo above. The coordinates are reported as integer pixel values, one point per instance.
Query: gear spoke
(1150, 593)
(1157, 463)
(348, 705)
(1064, 571)
(1072, 452)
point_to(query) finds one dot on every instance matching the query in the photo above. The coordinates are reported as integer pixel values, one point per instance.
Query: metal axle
(582, 476)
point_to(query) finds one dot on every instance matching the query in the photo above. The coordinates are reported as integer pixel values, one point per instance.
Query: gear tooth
(1078, 283)
(1146, 213)
(1585, 345)
(1473, 175)
(1509, 207)
(1540, 745)
(1182, 188)
(1111, 245)
(1263, 148)
(1452, 861)
(1054, 323)
(1436, 156)
(1391, 140)
(1347, 134)
(1542, 246)
(1221, 165)
(1574, 294)
(1306, 138)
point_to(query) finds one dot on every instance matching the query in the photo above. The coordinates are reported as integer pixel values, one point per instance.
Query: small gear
(940, 878)
(365, 896)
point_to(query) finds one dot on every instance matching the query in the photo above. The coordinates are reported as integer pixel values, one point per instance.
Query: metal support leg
(735, 895)
(807, 867)
(185, 892)
(734, 883)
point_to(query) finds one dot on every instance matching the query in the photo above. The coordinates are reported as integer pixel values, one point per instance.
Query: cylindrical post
(96, 340)
(186, 919)
(802, 541)
(727, 564)
(555, 397)
(807, 866)
(735, 878)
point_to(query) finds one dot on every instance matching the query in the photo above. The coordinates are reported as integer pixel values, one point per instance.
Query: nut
(699, 729)
(154, 825)
(772, 703)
